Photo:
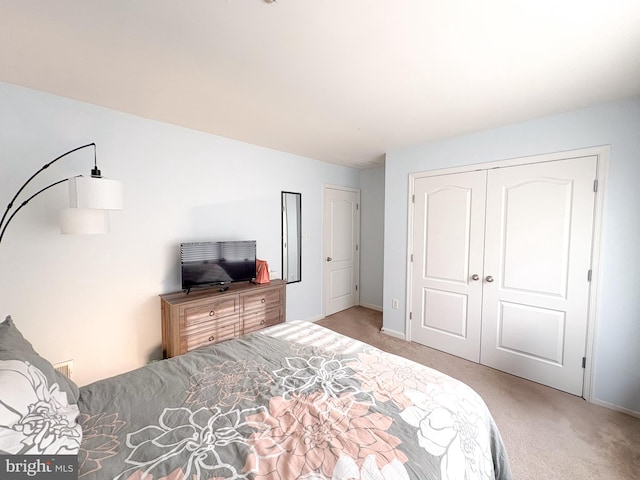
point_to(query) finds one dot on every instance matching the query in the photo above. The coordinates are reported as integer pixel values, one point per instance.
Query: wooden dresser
(209, 316)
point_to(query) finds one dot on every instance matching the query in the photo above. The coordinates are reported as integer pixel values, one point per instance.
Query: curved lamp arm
(23, 204)
(95, 173)
(44, 167)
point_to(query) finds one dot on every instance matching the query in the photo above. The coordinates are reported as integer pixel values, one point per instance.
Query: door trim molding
(603, 153)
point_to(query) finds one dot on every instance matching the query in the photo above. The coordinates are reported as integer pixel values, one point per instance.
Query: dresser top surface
(175, 298)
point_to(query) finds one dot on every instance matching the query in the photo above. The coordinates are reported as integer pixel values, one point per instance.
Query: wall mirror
(291, 237)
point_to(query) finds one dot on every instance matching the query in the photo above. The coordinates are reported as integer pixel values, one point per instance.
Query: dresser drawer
(209, 310)
(256, 320)
(261, 300)
(210, 333)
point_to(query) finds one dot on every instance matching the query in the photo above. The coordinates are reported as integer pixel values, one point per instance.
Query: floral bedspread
(294, 401)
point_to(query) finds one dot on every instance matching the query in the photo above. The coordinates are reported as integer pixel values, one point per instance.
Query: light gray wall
(617, 348)
(94, 299)
(371, 236)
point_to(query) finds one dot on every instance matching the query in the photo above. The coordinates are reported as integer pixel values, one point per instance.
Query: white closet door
(538, 239)
(447, 255)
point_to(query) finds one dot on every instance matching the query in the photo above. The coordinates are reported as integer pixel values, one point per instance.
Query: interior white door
(447, 262)
(539, 230)
(341, 265)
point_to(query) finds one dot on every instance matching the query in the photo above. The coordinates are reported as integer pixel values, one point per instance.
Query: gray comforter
(295, 401)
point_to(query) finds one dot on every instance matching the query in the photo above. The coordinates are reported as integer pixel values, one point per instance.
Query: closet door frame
(603, 154)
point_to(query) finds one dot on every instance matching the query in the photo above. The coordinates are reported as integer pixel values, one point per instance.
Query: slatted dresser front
(209, 316)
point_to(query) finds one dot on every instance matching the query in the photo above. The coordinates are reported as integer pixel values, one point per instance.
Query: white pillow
(35, 417)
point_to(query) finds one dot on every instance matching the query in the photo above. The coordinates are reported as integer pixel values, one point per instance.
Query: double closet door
(501, 267)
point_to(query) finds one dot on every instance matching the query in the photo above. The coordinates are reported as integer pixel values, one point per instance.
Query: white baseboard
(393, 333)
(617, 408)
(372, 307)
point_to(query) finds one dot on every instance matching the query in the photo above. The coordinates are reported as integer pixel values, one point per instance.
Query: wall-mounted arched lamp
(90, 199)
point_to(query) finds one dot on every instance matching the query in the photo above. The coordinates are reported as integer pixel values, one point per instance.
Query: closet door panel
(447, 252)
(539, 226)
(535, 226)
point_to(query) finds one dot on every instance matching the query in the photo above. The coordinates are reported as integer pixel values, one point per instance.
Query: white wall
(617, 349)
(95, 298)
(371, 236)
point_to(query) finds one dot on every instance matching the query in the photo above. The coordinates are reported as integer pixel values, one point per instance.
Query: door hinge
(410, 315)
(413, 198)
(584, 362)
(356, 288)
(356, 247)
(412, 257)
(357, 206)
(595, 185)
(589, 275)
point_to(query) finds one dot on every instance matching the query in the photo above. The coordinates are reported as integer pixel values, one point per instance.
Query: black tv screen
(217, 263)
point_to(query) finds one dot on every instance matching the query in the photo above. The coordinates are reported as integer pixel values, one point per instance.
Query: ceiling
(341, 81)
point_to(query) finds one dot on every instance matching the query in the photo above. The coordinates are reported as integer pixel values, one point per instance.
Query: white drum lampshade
(90, 198)
(95, 192)
(84, 221)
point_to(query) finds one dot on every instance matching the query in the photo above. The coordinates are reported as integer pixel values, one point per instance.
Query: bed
(293, 401)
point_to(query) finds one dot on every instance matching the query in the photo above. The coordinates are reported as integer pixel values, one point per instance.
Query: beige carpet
(549, 434)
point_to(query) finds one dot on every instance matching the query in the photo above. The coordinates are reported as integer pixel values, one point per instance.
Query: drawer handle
(212, 313)
(262, 301)
(262, 322)
(212, 338)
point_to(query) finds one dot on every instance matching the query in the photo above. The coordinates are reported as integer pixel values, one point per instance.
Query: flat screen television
(205, 264)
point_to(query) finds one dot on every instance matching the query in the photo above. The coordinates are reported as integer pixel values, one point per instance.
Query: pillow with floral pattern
(38, 410)
(35, 416)
(13, 346)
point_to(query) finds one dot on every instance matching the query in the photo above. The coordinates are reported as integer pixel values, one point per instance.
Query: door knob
(475, 276)
(329, 259)
(489, 279)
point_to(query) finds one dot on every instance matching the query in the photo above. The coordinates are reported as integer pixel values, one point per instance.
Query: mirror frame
(291, 236)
